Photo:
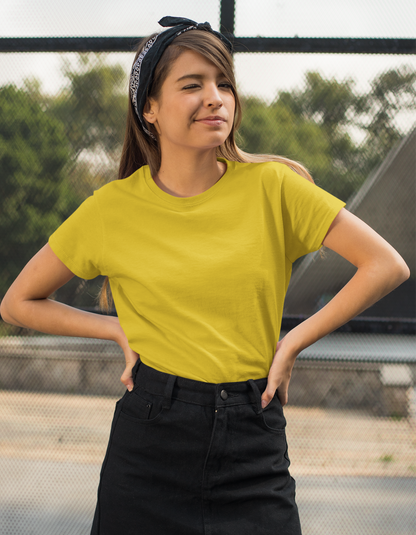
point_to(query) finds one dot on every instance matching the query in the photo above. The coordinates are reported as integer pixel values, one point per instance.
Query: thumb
(269, 393)
(127, 376)
(272, 380)
(127, 379)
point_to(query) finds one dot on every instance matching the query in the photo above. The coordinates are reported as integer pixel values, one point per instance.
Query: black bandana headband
(141, 76)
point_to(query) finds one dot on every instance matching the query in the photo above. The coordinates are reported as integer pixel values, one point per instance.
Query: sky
(320, 18)
(259, 74)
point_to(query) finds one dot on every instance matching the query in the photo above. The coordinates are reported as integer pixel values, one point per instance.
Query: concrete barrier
(376, 374)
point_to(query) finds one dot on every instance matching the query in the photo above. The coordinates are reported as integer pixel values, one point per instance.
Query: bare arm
(380, 270)
(26, 304)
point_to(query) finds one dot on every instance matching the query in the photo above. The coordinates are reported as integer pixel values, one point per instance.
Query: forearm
(369, 284)
(27, 304)
(52, 317)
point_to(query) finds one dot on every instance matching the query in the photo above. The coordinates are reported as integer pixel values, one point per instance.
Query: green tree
(318, 126)
(392, 94)
(277, 129)
(54, 152)
(34, 198)
(93, 108)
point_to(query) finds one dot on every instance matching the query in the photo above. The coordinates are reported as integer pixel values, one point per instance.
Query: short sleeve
(78, 242)
(308, 212)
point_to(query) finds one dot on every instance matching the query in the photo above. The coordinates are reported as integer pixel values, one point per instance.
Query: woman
(197, 241)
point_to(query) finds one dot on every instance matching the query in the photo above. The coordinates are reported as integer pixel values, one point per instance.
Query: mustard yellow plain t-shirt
(199, 282)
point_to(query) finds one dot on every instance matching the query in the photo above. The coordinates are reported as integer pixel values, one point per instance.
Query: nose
(212, 97)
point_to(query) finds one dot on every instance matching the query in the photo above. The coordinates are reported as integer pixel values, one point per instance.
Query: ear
(150, 111)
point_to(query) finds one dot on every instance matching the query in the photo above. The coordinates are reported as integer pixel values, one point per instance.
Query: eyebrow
(197, 76)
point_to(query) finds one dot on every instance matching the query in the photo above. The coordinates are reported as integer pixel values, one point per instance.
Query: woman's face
(195, 108)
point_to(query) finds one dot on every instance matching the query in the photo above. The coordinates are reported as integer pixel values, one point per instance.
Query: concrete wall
(34, 364)
(353, 386)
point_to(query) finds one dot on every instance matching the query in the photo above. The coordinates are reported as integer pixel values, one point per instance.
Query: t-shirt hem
(326, 223)
(67, 261)
(324, 227)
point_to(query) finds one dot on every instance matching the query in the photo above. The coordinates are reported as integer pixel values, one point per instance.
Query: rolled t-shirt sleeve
(308, 212)
(79, 241)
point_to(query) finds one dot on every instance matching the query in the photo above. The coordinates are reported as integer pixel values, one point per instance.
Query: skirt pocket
(272, 416)
(142, 407)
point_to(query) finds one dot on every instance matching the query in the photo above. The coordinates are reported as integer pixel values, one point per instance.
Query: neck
(188, 175)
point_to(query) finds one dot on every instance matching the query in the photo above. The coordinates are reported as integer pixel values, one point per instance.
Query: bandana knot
(204, 26)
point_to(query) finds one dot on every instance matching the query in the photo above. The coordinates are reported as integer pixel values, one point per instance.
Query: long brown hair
(140, 149)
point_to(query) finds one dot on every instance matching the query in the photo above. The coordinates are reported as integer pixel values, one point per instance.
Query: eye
(191, 86)
(225, 85)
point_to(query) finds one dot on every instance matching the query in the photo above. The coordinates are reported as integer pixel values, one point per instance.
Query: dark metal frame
(317, 45)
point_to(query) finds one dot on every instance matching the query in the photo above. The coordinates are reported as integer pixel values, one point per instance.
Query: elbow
(400, 271)
(405, 272)
(388, 272)
(3, 311)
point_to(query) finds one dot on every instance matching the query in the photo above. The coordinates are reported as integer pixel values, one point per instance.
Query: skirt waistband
(197, 392)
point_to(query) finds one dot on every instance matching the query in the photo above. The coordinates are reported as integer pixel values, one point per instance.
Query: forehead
(191, 62)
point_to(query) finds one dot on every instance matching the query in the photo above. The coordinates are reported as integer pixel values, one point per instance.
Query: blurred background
(337, 91)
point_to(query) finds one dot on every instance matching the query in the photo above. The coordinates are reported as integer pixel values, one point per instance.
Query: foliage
(318, 126)
(54, 152)
(34, 197)
(93, 109)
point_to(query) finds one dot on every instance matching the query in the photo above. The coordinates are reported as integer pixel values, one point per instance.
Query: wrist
(290, 345)
(114, 331)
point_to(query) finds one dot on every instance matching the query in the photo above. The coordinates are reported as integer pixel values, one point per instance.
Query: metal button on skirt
(193, 458)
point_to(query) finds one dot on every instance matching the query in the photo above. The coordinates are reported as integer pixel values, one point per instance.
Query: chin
(215, 139)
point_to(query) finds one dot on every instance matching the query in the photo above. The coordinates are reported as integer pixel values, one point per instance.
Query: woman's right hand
(131, 359)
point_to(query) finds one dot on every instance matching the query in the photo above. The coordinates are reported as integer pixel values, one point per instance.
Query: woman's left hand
(279, 374)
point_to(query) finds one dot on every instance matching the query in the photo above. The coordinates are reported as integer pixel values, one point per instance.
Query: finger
(127, 376)
(127, 379)
(282, 394)
(268, 394)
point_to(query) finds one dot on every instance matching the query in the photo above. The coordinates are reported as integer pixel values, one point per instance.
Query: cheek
(179, 114)
(230, 105)
(231, 112)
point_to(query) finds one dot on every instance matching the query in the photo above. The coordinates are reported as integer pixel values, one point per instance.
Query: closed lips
(212, 118)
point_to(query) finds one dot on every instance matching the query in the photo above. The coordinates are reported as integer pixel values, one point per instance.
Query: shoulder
(274, 171)
(119, 191)
(269, 177)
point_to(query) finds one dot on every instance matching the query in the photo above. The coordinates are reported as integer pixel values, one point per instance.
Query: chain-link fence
(350, 118)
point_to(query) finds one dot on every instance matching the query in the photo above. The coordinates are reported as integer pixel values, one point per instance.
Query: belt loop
(257, 395)
(167, 402)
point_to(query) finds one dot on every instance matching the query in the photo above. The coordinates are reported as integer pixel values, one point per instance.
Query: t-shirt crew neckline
(184, 202)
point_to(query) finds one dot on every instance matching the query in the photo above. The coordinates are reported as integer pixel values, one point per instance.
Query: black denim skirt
(193, 458)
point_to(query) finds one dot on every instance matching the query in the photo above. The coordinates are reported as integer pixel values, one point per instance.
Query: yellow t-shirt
(199, 282)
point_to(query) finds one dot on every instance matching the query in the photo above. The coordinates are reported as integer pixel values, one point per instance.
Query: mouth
(212, 120)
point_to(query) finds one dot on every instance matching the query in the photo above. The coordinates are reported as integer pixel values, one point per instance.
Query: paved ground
(58, 498)
(355, 474)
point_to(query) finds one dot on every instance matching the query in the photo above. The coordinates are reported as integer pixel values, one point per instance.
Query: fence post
(227, 16)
